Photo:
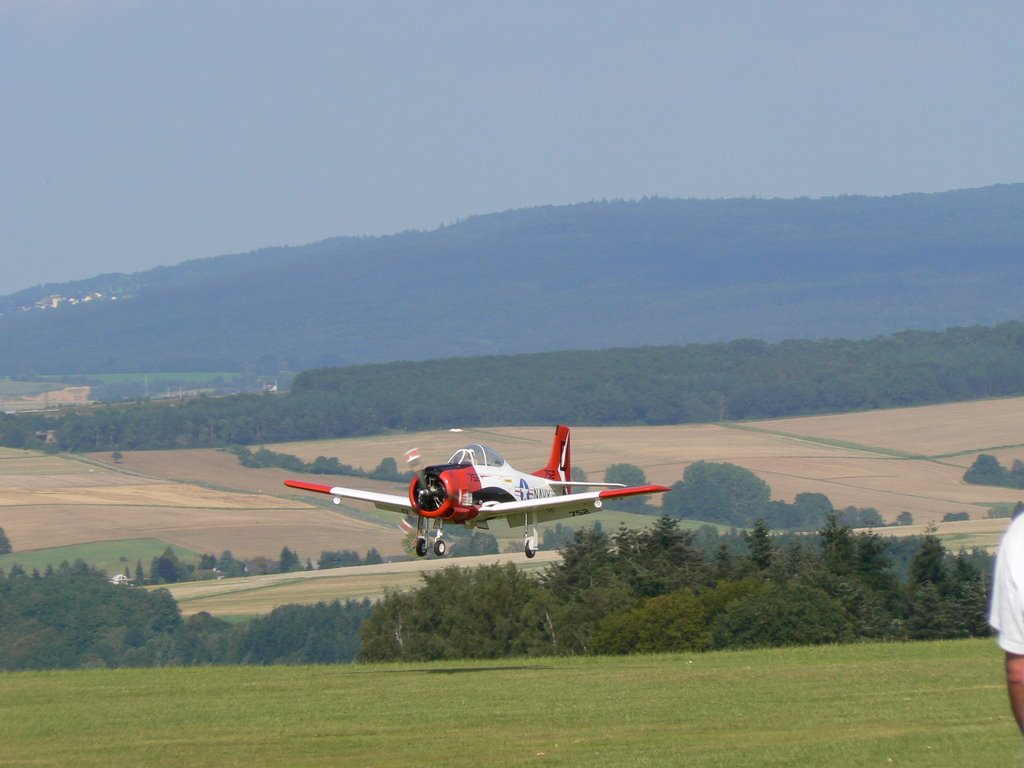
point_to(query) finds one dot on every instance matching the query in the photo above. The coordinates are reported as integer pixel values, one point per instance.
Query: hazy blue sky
(134, 134)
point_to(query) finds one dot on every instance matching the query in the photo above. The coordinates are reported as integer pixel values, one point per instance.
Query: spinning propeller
(427, 492)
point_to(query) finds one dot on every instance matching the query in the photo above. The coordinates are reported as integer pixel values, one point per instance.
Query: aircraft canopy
(477, 455)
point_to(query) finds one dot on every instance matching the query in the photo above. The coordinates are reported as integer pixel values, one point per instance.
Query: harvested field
(50, 501)
(261, 594)
(908, 459)
(34, 396)
(930, 430)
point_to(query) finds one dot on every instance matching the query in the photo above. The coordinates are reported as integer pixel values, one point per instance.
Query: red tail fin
(559, 466)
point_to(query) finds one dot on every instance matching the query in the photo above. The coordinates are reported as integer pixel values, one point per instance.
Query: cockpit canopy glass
(478, 455)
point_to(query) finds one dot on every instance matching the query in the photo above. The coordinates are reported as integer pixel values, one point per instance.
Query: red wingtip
(304, 486)
(615, 493)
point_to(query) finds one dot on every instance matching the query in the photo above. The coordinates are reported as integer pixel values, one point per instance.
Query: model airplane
(476, 485)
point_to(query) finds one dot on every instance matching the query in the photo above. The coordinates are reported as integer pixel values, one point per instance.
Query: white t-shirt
(1006, 614)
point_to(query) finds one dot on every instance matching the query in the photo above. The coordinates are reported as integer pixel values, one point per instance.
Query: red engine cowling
(446, 493)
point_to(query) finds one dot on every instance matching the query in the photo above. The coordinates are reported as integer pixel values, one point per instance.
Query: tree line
(672, 590)
(73, 617)
(650, 385)
(168, 568)
(387, 470)
(659, 590)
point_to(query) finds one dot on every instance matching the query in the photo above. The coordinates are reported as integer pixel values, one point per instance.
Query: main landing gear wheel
(530, 537)
(421, 547)
(531, 546)
(440, 547)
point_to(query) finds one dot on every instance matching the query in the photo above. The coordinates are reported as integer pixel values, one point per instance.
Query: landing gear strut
(530, 538)
(440, 545)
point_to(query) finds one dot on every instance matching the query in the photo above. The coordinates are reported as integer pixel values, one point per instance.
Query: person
(1006, 613)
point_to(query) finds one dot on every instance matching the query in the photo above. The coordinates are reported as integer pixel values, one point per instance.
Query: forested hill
(652, 385)
(594, 275)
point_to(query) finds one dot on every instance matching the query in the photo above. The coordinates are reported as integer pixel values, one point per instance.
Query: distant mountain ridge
(586, 276)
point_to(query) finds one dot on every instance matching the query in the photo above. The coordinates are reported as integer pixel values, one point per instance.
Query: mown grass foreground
(920, 704)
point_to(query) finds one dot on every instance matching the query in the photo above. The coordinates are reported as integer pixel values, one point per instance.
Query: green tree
(794, 614)
(339, 559)
(486, 612)
(838, 546)
(324, 633)
(557, 536)
(5, 543)
(628, 475)
(1017, 473)
(229, 566)
(584, 586)
(288, 561)
(207, 562)
(165, 569)
(663, 624)
(660, 559)
(986, 470)
(807, 512)
(861, 517)
(929, 564)
(759, 542)
(970, 596)
(718, 492)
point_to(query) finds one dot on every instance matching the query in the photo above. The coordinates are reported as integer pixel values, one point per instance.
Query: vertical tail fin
(559, 466)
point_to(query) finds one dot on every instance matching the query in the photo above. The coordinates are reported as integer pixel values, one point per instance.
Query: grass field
(923, 704)
(110, 556)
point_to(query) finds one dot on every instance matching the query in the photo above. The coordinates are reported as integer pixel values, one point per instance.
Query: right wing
(385, 501)
(550, 508)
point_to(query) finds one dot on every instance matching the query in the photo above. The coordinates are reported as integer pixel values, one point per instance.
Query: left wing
(558, 507)
(386, 501)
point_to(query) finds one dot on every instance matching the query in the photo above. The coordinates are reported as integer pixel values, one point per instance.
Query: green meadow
(921, 704)
(111, 556)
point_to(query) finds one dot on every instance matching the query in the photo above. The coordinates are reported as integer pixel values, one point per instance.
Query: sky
(137, 134)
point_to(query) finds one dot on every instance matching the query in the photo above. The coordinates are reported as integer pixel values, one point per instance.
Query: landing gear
(440, 547)
(530, 538)
(531, 546)
(422, 547)
(421, 536)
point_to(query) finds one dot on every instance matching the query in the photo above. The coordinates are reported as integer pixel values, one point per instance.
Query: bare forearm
(1015, 686)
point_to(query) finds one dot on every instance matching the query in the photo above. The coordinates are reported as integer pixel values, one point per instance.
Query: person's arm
(1015, 685)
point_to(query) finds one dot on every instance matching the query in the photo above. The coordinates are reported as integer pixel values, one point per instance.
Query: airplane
(476, 485)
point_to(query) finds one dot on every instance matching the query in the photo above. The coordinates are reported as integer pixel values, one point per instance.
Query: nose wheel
(440, 546)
